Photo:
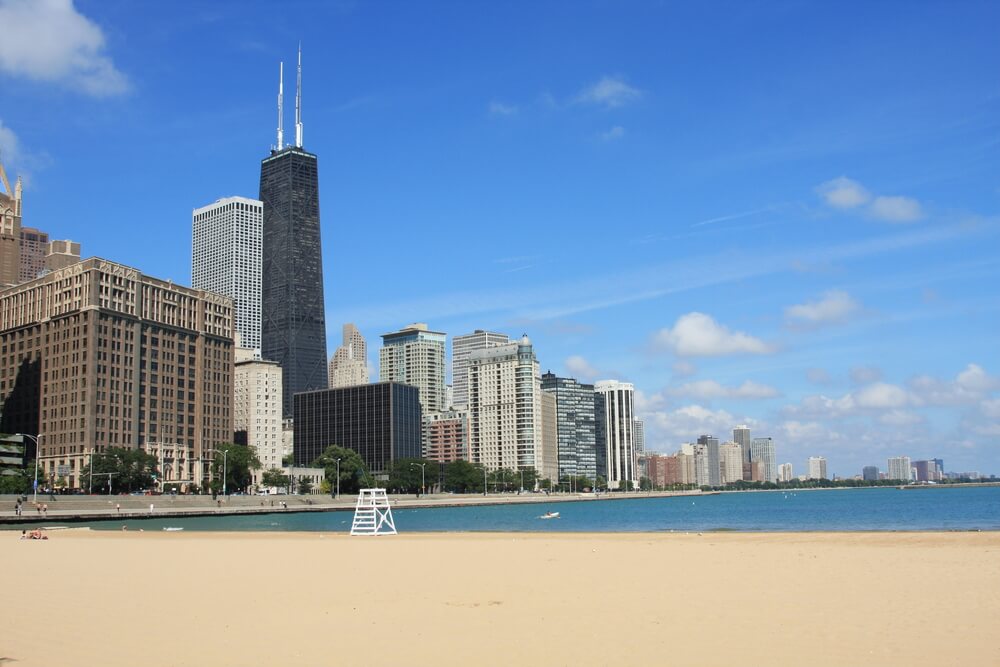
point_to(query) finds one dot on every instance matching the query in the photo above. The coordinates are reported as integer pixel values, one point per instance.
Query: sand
(89, 598)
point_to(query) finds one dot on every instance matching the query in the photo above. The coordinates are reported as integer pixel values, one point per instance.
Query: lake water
(879, 509)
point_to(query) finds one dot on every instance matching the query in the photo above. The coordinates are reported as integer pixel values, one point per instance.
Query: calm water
(882, 509)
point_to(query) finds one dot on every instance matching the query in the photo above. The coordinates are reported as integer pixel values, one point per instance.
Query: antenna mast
(281, 95)
(298, 102)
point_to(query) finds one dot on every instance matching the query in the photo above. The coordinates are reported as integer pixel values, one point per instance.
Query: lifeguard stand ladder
(372, 514)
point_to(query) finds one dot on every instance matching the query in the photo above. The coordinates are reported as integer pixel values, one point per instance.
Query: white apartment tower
(817, 467)
(507, 411)
(415, 356)
(730, 462)
(257, 408)
(461, 348)
(349, 364)
(899, 468)
(614, 422)
(762, 450)
(226, 259)
(785, 473)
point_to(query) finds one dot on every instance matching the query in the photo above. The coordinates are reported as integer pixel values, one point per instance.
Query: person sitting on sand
(24, 534)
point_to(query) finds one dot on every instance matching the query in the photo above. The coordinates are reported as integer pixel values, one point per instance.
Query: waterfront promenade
(70, 509)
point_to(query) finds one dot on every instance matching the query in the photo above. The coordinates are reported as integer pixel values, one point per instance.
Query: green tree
(645, 484)
(129, 469)
(237, 465)
(353, 472)
(601, 483)
(626, 485)
(305, 486)
(463, 477)
(275, 477)
(405, 475)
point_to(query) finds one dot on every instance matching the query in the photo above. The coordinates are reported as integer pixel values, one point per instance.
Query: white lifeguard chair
(372, 514)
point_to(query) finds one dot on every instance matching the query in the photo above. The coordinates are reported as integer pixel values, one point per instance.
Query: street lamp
(225, 454)
(35, 440)
(522, 480)
(423, 482)
(338, 479)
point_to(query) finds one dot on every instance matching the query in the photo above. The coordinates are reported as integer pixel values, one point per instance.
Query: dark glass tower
(293, 323)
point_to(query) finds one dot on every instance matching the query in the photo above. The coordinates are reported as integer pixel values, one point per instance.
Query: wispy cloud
(835, 306)
(709, 389)
(502, 109)
(609, 92)
(614, 134)
(846, 194)
(49, 40)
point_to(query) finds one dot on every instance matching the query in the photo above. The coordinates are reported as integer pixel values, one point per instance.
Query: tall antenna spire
(298, 102)
(281, 95)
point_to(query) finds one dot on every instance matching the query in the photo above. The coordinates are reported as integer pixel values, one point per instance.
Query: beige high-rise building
(10, 231)
(349, 364)
(507, 417)
(34, 247)
(61, 254)
(730, 462)
(97, 355)
(461, 348)
(257, 410)
(785, 473)
(415, 356)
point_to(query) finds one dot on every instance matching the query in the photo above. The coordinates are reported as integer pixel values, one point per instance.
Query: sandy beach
(113, 598)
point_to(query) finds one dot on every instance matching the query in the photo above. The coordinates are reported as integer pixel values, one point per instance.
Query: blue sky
(779, 214)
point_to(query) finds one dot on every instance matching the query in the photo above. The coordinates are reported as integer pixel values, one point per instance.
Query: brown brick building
(97, 355)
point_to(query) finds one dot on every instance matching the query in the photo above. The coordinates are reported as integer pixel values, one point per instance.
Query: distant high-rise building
(226, 259)
(762, 451)
(132, 361)
(870, 473)
(785, 473)
(575, 425)
(741, 436)
(898, 468)
(34, 243)
(349, 364)
(61, 254)
(701, 464)
(940, 466)
(712, 447)
(614, 419)
(446, 436)
(257, 409)
(380, 421)
(730, 462)
(293, 322)
(461, 348)
(506, 411)
(817, 467)
(415, 356)
(10, 231)
(926, 471)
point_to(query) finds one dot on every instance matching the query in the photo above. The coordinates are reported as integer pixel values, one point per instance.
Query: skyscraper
(899, 468)
(461, 348)
(34, 244)
(415, 356)
(615, 431)
(225, 259)
(870, 473)
(257, 409)
(731, 462)
(741, 436)
(712, 447)
(762, 451)
(349, 364)
(293, 323)
(817, 467)
(10, 231)
(785, 473)
(575, 425)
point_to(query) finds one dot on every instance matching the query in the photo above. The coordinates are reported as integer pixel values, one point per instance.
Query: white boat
(172, 529)
(550, 515)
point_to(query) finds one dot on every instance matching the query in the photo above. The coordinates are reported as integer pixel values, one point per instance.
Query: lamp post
(35, 440)
(522, 480)
(423, 481)
(338, 479)
(225, 455)
(90, 487)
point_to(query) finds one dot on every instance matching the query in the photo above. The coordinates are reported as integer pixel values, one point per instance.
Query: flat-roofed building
(98, 355)
(446, 436)
(899, 468)
(257, 408)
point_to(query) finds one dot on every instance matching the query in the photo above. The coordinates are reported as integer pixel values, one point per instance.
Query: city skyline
(786, 257)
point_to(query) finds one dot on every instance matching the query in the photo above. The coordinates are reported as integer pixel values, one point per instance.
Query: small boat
(172, 529)
(550, 515)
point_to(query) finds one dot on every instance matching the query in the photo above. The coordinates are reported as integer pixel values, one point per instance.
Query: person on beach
(24, 534)
(118, 508)
(150, 508)
(45, 509)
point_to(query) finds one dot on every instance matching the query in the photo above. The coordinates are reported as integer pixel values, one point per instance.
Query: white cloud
(8, 145)
(48, 40)
(501, 109)
(834, 307)
(609, 92)
(646, 403)
(900, 418)
(991, 408)
(843, 192)
(615, 133)
(968, 387)
(896, 209)
(882, 395)
(865, 374)
(580, 368)
(698, 335)
(709, 389)
(666, 430)
(975, 379)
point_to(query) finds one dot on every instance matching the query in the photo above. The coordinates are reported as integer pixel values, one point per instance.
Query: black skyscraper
(293, 324)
